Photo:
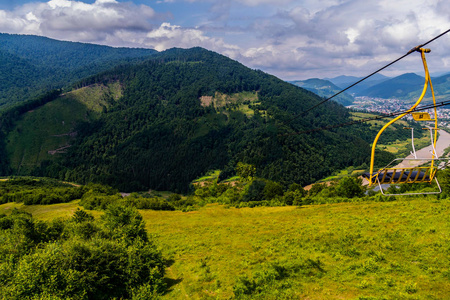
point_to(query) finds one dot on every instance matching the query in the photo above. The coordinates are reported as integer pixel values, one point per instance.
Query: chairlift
(416, 169)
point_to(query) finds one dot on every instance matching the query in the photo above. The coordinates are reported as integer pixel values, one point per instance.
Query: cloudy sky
(292, 39)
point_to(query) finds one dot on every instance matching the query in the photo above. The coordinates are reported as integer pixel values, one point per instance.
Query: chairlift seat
(402, 175)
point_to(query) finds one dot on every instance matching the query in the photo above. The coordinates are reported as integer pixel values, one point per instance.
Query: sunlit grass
(402, 147)
(383, 250)
(211, 176)
(378, 123)
(50, 127)
(367, 249)
(44, 212)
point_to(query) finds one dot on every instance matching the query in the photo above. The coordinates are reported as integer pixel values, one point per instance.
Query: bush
(58, 260)
(38, 191)
(94, 200)
(272, 189)
(255, 191)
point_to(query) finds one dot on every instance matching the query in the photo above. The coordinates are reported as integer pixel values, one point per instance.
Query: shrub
(272, 189)
(116, 261)
(255, 191)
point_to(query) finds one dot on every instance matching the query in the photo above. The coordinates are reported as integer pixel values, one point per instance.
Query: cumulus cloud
(168, 36)
(292, 39)
(76, 20)
(350, 37)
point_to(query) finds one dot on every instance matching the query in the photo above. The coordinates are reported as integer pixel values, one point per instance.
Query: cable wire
(421, 108)
(359, 81)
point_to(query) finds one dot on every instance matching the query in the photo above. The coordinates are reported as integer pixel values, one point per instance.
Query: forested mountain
(345, 81)
(30, 65)
(396, 87)
(324, 88)
(406, 86)
(178, 115)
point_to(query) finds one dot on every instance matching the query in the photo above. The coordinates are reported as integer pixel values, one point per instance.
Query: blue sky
(291, 39)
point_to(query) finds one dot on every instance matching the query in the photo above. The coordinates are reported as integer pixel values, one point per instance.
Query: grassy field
(398, 147)
(344, 173)
(375, 123)
(239, 101)
(366, 250)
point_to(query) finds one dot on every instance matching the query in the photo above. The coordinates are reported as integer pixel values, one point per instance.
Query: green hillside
(47, 132)
(409, 87)
(441, 86)
(182, 113)
(31, 65)
(160, 135)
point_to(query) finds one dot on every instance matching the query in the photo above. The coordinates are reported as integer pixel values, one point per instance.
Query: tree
(255, 191)
(124, 222)
(316, 188)
(272, 189)
(245, 171)
(350, 187)
(52, 260)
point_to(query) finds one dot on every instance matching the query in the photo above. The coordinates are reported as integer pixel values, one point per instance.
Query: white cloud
(350, 37)
(168, 36)
(76, 20)
(288, 38)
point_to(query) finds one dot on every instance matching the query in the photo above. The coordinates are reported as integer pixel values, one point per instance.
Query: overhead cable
(359, 81)
(421, 108)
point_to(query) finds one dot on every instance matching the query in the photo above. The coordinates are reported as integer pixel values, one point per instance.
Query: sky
(291, 39)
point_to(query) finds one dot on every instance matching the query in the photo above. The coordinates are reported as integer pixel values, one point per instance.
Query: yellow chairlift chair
(416, 169)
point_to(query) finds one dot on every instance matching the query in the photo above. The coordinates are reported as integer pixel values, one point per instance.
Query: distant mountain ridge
(30, 65)
(396, 87)
(407, 86)
(324, 88)
(344, 81)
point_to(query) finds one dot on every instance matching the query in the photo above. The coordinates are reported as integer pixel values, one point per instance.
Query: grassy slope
(399, 146)
(390, 250)
(47, 128)
(221, 100)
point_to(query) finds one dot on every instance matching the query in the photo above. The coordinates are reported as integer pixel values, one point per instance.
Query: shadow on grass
(170, 282)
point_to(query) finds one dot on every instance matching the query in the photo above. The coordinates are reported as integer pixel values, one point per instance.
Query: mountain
(162, 122)
(31, 65)
(441, 87)
(397, 87)
(407, 86)
(345, 81)
(324, 88)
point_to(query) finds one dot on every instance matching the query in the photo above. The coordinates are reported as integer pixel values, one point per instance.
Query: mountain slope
(324, 88)
(343, 82)
(407, 86)
(399, 86)
(47, 132)
(186, 112)
(30, 65)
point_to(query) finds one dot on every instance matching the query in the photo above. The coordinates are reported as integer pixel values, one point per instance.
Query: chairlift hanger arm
(373, 177)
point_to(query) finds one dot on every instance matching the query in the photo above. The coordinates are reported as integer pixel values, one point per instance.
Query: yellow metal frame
(431, 170)
(421, 116)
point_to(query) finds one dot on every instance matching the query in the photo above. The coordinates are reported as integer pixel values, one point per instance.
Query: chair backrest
(405, 175)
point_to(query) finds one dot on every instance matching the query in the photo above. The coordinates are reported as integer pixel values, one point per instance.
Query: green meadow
(360, 250)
